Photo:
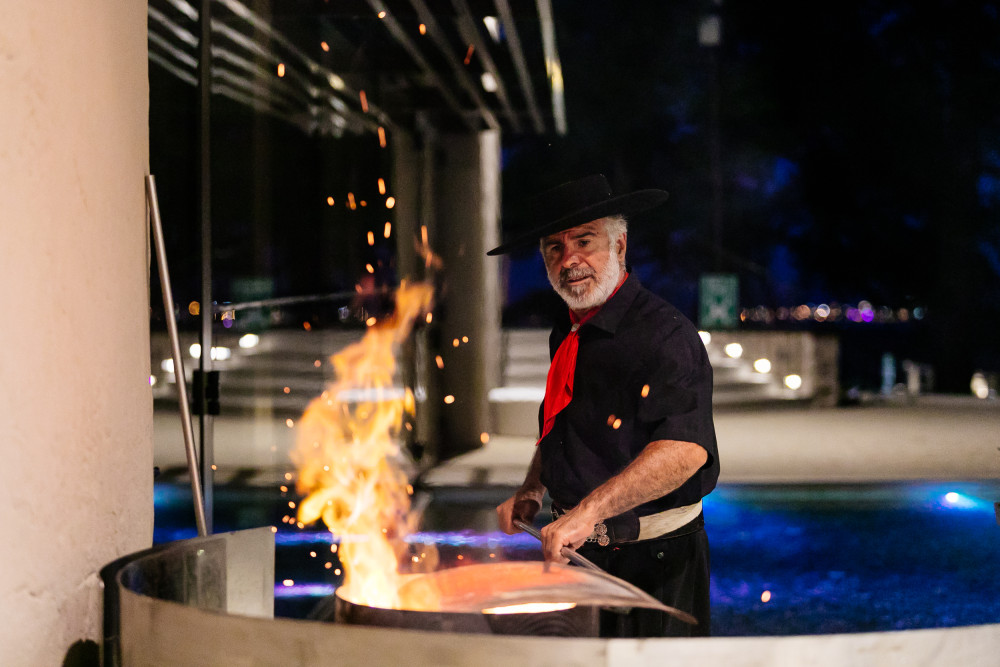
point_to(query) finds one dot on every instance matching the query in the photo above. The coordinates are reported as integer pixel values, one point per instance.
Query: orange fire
(348, 455)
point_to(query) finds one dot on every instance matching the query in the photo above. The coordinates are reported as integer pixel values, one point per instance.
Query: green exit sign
(718, 297)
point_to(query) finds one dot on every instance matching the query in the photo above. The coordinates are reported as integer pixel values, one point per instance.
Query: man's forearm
(663, 466)
(533, 478)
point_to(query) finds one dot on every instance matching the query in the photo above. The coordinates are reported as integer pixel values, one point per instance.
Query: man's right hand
(522, 506)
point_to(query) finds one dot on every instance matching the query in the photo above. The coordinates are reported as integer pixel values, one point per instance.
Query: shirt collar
(613, 310)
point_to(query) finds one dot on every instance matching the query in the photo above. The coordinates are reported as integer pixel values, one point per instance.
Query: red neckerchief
(559, 382)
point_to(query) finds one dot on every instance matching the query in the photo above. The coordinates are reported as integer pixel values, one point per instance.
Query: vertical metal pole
(175, 350)
(205, 199)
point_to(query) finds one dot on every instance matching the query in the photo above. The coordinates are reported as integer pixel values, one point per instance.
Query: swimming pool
(788, 559)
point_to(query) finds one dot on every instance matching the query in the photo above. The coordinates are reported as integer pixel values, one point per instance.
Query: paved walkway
(934, 437)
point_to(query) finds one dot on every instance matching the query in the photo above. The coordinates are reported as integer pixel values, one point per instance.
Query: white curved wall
(75, 403)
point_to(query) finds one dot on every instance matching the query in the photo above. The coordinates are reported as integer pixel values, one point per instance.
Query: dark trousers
(673, 568)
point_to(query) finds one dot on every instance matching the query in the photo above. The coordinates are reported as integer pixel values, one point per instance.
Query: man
(627, 447)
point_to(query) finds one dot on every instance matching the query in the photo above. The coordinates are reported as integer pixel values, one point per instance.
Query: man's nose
(570, 259)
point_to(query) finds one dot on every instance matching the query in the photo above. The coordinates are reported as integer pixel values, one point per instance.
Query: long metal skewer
(175, 350)
(582, 561)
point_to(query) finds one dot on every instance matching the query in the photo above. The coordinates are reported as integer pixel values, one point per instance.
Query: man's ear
(620, 246)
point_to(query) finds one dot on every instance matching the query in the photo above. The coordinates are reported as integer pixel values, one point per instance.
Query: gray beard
(577, 298)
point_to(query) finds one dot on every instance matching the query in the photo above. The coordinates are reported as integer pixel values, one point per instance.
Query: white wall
(75, 404)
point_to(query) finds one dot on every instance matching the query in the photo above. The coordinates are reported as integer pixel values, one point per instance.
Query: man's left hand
(570, 530)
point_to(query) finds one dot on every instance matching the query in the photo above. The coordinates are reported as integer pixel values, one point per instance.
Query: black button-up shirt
(642, 374)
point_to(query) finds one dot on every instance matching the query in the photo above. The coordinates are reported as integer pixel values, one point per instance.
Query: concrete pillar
(75, 403)
(468, 216)
(410, 185)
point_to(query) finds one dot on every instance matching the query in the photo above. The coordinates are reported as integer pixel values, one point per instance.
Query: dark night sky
(859, 159)
(860, 148)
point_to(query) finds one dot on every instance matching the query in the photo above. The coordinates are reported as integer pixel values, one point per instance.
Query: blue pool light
(957, 500)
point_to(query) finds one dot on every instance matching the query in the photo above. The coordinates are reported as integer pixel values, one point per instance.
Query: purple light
(303, 590)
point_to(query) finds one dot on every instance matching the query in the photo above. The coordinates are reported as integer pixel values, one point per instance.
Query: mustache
(576, 274)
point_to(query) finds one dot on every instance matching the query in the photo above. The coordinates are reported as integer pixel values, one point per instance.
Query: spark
(288, 582)
(381, 14)
(214, 467)
(468, 54)
(617, 424)
(288, 476)
(370, 268)
(370, 321)
(281, 69)
(350, 201)
(449, 399)
(324, 46)
(423, 29)
(465, 339)
(333, 548)
(363, 203)
(291, 504)
(274, 529)
(611, 419)
(765, 596)
(328, 565)
(461, 557)
(645, 390)
(381, 137)
(484, 437)
(371, 238)
(423, 235)
(381, 186)
(284, 489)
(390, 202)
(194, 308)
(329, 201)
(455, 343)
(429, 318)
(364, 101)
(317, 363)
(287, 390)
(439, 361)
(312, 554)
(289, 423)
(337, 572)
(387, 230)
(307, 326)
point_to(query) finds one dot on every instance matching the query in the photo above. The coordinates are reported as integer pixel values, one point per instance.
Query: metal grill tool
(648, 601)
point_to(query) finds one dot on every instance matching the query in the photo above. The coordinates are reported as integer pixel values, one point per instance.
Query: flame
(531, 608)
(348, 455)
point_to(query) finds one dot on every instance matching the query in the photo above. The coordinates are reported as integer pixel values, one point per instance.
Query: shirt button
(660, 555)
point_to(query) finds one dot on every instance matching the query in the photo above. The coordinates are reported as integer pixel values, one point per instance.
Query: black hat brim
(629, 204)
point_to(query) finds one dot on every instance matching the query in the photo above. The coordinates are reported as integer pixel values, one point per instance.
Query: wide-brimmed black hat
(572, 204)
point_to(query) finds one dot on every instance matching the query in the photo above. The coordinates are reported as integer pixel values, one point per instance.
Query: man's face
(583, 265)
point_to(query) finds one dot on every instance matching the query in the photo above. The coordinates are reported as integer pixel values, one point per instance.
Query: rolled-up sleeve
(675, 391)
